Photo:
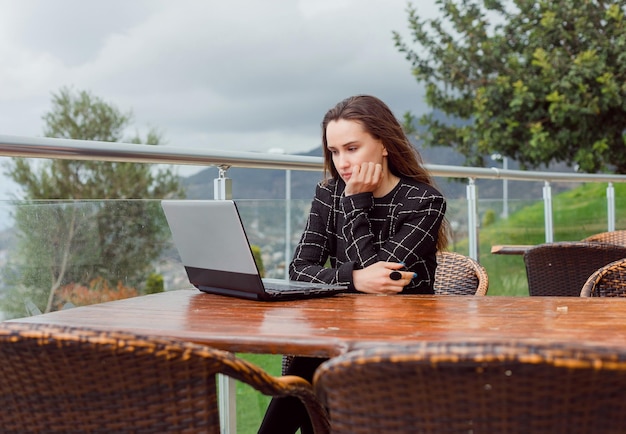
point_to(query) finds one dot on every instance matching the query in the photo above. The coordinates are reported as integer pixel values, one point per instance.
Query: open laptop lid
(213, 246)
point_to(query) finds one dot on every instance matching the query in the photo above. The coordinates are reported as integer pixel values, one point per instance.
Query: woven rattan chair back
(611, 237)
(441, 387)
(608, 281)
(64, 380)
(459, 275)
(561, 269)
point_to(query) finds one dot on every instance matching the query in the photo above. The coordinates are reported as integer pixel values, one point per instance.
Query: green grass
(577, 213)
(251, 404)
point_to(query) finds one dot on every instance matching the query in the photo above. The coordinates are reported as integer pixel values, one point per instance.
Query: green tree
(536, 81)
(76, 240)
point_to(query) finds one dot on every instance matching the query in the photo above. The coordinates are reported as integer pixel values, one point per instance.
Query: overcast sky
(247, 75)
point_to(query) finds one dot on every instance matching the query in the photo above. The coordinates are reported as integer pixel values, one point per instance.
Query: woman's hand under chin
(365, 178)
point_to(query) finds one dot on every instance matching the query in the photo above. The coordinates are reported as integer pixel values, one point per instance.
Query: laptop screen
(209, 235)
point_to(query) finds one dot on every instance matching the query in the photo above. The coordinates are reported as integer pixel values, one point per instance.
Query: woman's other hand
(378, 278)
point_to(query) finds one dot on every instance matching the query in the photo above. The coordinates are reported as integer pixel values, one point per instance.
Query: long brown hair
(377, 119)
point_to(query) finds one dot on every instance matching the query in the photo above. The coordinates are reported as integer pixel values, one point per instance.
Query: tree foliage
(535, 81)
(65, 237)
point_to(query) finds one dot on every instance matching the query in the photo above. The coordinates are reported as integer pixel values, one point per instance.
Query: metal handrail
(70, 149)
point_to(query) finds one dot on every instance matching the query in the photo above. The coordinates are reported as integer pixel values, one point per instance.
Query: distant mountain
(270, 184)
(254, 183)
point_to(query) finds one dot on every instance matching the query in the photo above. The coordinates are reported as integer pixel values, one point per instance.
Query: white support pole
(547, 211)
(222, 185)
(227, 404)
(505, 190)
(610, 203)
(287, 222)
(472, 219)
(222, 190)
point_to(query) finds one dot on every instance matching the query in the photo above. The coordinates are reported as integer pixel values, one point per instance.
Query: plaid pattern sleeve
(319, 240)
(359, 230)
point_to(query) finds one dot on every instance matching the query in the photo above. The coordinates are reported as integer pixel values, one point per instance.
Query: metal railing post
(610, 203)
(223, 190)
(547, 211)
(472, 220)
(287, 222)
(222, 185)
(505, 190)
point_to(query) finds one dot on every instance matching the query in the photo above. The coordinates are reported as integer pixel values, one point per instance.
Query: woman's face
(350, 145)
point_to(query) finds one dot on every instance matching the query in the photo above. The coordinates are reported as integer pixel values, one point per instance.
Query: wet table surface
(510, 249)
(333, 325)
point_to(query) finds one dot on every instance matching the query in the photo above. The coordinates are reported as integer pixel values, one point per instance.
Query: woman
(378, 220)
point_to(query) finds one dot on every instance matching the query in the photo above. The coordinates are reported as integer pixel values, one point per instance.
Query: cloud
(241, 74)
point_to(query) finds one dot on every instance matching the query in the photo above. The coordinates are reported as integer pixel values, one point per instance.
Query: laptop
(215, 251)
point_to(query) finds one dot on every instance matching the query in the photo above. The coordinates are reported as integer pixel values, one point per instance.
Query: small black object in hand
(395, 275)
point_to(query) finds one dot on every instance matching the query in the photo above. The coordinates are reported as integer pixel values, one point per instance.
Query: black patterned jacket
(359, 230)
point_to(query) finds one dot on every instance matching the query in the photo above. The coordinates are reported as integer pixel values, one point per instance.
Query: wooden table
(331, 326)
(510, 249)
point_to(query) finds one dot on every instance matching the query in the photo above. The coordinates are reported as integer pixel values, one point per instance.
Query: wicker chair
(561, 269)
(611, 237)
(459, 275)
(58, 379)
(608, 281)
(442, 387)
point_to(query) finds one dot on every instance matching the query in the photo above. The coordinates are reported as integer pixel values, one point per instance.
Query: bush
(489, 218)
(154, 284)
(98, 291)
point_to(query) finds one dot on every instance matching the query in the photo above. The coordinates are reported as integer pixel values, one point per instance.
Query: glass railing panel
(60, 254)
(507, 273)
(456, 214)
(620, 210)
(268, 224)
(574, 218)
(7, 242)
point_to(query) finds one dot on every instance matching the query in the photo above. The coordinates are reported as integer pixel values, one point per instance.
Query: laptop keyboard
(277, 285)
